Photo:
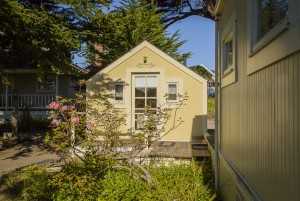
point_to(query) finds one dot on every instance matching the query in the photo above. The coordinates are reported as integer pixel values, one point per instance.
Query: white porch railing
(36, 101)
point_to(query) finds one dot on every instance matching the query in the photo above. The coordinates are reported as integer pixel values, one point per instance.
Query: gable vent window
(119, 92)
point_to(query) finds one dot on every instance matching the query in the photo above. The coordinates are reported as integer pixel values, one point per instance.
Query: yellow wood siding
(193, 113)
(259, 122)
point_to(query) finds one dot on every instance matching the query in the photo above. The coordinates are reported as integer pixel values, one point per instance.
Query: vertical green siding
(260, 128)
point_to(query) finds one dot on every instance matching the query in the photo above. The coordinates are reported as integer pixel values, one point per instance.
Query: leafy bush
(102, 172)
(77, 181)
(5, 127)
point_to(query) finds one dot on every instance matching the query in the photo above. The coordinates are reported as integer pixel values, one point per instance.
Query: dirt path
(16, 154)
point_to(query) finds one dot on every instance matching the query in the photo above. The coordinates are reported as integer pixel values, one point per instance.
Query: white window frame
(52, 77)
(174, 83)
(229, 73)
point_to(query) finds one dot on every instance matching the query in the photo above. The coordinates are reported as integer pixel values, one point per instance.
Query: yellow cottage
(143, 76)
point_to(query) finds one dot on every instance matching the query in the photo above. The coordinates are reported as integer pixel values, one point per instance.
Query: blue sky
(200, 35)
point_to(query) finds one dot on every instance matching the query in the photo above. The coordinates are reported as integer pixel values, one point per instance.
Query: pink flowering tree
(94, 125)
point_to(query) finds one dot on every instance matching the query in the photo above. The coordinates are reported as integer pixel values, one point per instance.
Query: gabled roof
(158, 52)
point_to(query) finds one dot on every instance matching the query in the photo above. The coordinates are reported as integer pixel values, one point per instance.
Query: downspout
(216, 145)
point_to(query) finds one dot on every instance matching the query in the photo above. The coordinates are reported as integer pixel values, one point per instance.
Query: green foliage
(78, 181)
(127, 26)
(211, 105)
(200, 70)
(6, 127)
(32, 183)
(36, 184)
(31, 35)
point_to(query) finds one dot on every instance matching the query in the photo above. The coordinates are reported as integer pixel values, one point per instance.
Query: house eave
(19, 70)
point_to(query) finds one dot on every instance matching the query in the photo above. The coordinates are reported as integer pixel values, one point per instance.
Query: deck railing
(35, 101)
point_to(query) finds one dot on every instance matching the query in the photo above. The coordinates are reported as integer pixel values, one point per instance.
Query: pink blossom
(103, 113)
(55, 122)
(72, 107)
(89, 125)
(57, 150)
(75, 119)
(54, 105)
(63, 108)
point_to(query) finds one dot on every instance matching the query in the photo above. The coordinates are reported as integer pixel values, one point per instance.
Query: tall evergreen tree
(127, 26)
(43, 34)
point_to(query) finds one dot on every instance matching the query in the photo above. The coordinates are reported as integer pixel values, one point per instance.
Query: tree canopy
(200, 70)
(45, 34)
(176, 10)
(127, 26)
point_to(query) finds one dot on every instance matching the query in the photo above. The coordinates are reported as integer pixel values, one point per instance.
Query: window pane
(151, 92)
(151, 103)
(229, 52)
(51, 84)
(271, 12)
(172, 96)
(140, 81)
(172, 89)
(119, 92)
(139, 103)
(151, 81)
(139, 92)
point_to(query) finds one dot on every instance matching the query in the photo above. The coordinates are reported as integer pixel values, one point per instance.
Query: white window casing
(229, 51)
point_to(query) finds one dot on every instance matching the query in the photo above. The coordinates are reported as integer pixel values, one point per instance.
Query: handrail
(35, 101)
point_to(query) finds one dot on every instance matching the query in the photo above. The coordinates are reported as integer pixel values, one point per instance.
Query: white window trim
(173, 80)
(229, 75)
(177, 91)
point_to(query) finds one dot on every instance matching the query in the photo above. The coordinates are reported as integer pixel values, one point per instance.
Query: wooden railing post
(14, 118)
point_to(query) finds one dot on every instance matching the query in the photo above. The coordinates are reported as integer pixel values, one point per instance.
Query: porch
(32, 101)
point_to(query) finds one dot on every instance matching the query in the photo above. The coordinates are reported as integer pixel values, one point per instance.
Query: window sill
(279, 28)
(228, 77)
(227, 71)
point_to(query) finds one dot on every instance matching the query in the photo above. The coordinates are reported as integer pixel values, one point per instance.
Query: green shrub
(6, 127)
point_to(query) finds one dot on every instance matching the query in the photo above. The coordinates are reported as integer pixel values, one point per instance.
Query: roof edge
(156, 50)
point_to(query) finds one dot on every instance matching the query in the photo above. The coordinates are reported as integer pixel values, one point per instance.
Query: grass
(211, 107)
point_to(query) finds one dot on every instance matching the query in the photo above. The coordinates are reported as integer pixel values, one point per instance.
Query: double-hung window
(172, 91)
